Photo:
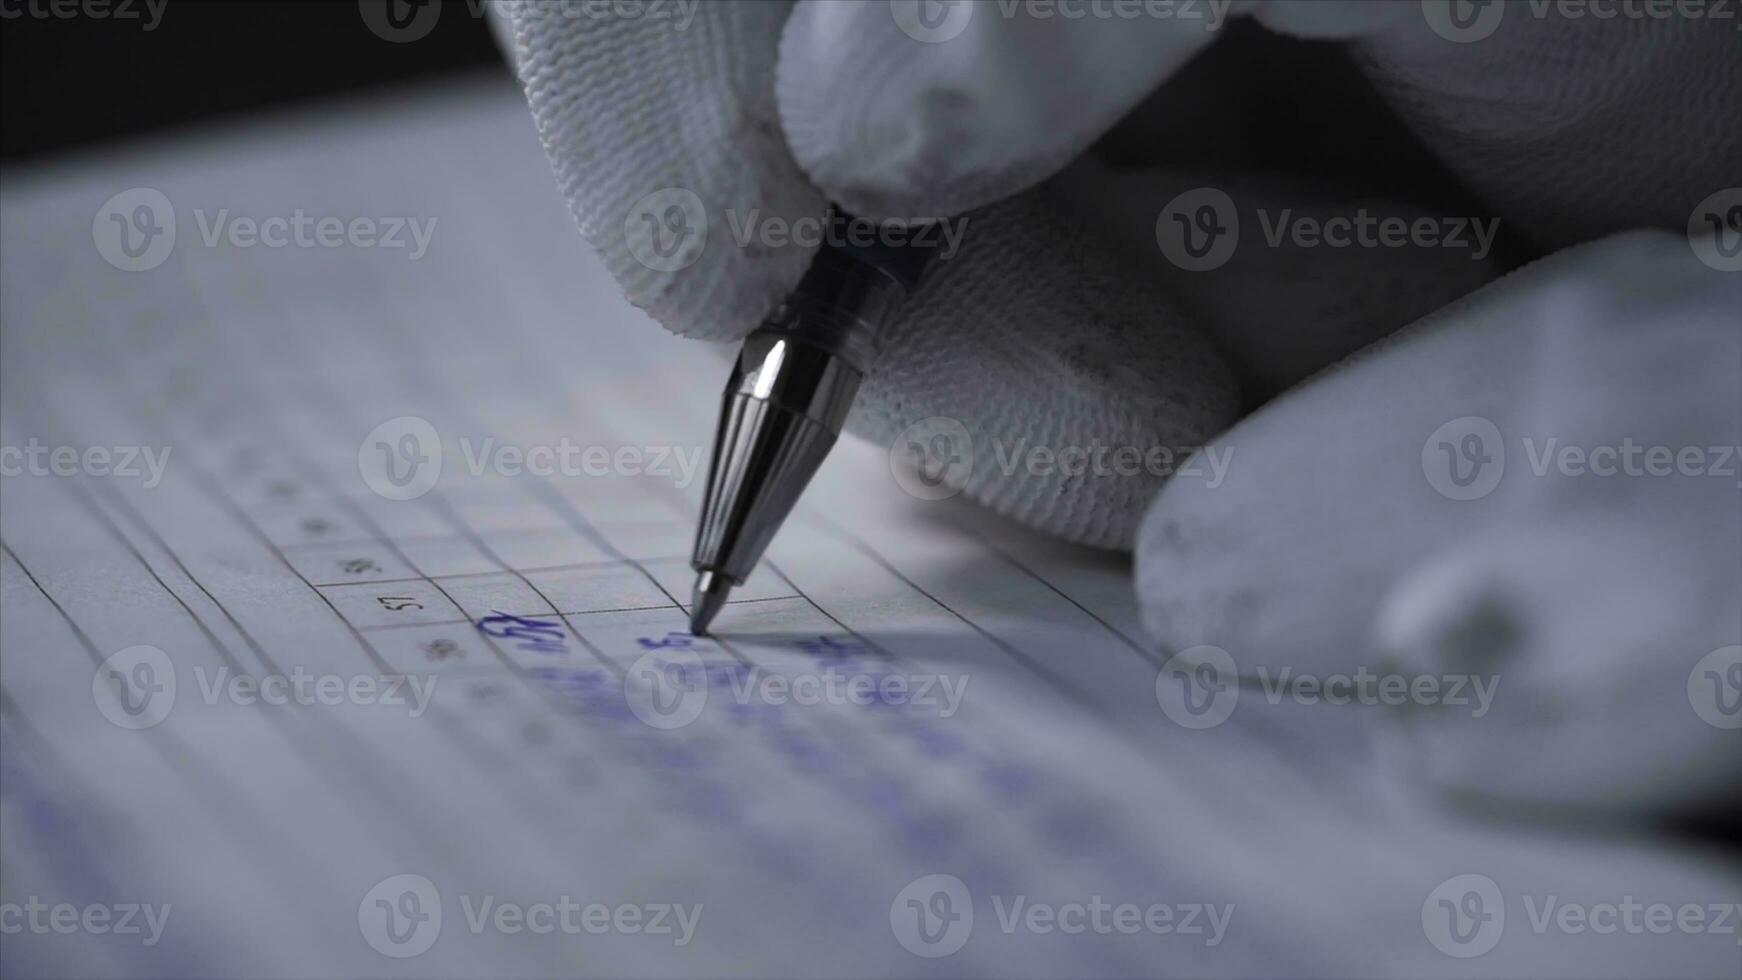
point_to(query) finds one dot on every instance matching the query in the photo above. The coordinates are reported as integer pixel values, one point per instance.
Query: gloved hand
(1061, 323)
(1037, 334)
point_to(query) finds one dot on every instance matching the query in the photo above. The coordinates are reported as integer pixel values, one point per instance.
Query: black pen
(788, 396)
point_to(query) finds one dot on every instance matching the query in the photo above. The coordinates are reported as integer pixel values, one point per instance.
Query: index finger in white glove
(1607, 604)
(657, 129)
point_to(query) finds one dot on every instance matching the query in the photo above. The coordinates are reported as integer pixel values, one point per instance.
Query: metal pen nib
(784, 405)
(709, 595)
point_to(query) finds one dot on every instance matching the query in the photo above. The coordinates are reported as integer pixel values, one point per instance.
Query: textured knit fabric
(1337, 543)
(1033, 336)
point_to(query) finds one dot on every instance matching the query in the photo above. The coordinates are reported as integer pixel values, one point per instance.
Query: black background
(1253, 102)
(71, 82)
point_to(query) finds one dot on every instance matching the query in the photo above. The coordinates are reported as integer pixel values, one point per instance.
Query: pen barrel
(782, 411)
(789, 395)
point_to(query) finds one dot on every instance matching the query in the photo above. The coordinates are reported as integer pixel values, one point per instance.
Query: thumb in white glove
(1410, 515)
(1608, 600)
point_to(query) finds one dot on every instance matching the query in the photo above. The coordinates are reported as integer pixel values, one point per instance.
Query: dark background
(1253, 101)
(73, 82)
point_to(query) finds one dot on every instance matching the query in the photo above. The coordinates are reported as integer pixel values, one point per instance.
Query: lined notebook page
(304, 727)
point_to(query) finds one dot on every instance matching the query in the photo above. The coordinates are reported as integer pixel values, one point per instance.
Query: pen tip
(707, 598)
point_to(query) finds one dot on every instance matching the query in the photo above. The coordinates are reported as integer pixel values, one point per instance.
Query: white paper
(506, 771)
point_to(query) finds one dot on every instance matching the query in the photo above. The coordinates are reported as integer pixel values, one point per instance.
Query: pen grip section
(791, 371)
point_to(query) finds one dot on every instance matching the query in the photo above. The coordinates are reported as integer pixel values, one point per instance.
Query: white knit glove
(743, 114)
(1060, 323)
(1461, 503)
